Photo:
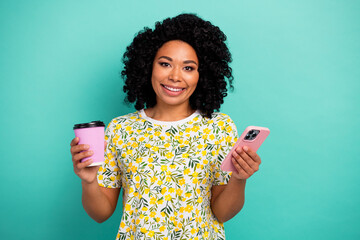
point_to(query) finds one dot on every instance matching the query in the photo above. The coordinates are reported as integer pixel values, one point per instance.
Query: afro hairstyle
(208, 41)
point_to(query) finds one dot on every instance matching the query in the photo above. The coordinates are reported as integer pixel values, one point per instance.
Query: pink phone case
(254, 144)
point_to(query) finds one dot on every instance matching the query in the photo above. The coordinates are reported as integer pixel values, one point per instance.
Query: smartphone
(252, 137)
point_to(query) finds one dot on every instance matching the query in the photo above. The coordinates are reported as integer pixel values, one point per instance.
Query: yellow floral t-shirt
(166, 170)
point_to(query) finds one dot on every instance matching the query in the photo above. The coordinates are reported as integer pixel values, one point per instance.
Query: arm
(99, 202)
(228, 200)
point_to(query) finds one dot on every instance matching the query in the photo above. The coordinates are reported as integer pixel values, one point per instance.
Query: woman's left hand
(246, 162)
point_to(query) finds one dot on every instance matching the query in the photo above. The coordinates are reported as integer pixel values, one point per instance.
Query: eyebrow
(186, 61)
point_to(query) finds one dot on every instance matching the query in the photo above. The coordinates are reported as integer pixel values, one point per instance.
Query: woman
(167, 155)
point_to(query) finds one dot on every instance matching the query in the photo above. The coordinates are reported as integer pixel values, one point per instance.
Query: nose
(175, 74)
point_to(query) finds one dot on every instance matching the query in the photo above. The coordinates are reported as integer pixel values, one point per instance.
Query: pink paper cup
(92, 134)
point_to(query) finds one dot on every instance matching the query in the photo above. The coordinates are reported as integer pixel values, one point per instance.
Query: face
(175, 73)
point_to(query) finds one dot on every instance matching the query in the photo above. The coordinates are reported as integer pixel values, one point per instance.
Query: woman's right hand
(79, 152)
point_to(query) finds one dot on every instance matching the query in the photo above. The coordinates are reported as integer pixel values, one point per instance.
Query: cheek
(154, 77)
(193, 81)
(157, 75)
(154, 85)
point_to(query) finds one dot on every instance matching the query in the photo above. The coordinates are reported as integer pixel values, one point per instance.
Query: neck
(169, 113)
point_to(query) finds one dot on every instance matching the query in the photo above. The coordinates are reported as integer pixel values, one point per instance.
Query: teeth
(173, 89)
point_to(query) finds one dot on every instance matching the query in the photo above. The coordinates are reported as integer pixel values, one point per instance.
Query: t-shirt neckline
(168, 123)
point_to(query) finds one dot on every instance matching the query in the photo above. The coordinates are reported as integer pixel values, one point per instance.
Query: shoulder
(222, 123)
(220, 119)
(127, 119)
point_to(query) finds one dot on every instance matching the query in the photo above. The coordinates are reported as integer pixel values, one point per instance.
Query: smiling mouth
(172, 89)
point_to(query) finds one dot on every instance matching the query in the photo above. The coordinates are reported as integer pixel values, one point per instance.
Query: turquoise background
(297, 71)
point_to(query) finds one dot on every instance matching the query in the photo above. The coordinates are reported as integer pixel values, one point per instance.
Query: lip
(168, 91)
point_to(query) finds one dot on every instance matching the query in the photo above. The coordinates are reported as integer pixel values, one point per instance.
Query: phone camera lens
(251, 135)
(256, 132)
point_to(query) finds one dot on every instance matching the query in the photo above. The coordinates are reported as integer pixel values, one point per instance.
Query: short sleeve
(109, 174)
(227, 138)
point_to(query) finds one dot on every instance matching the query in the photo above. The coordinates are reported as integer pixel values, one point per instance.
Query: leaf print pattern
(166, 172)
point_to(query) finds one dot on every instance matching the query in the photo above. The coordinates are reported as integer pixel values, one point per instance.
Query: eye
(188, 68)
(164, 64)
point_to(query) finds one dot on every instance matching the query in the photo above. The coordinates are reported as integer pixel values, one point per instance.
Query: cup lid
(89, 125)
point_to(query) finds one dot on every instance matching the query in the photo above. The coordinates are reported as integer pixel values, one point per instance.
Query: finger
(252, 154)
(105, 143)
(84, 164)
(248, 159)
(238, 168)
(74, 142)
(243, 164)
(79, 148)
(78, 157)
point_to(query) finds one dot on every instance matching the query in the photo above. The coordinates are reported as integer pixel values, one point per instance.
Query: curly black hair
(209, 44)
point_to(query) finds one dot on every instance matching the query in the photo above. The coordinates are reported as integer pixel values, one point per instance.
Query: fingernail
(245, 148)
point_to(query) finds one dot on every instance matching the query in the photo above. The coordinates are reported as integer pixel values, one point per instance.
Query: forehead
(177, 50)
